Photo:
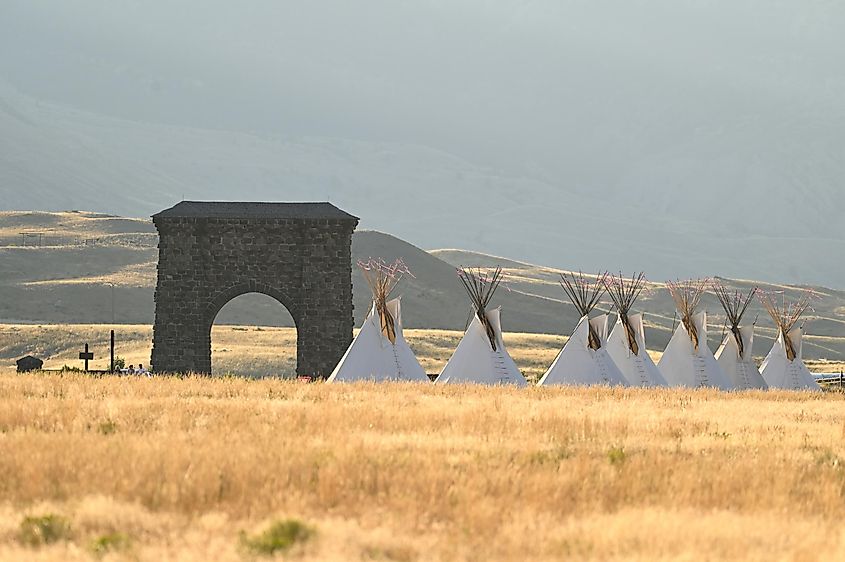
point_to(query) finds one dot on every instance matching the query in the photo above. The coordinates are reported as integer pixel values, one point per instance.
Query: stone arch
(227, 295)
(210, 253)
(231, 293)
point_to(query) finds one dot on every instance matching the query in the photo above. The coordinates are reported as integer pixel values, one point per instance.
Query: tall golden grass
(421, 472)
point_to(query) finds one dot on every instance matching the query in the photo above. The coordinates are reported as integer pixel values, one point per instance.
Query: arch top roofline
(255, 210)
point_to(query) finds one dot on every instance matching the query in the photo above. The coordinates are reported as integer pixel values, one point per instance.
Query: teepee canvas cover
(687, 360)
(735, 354)
(626, 344)
(784, 366)
(481, 357)
(379, 352)
(372, 356)
(584, 359)
(740, 367)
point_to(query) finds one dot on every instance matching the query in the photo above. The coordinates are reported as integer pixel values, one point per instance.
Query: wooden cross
(86, 356)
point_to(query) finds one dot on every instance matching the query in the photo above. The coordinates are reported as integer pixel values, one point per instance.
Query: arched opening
(254, 335)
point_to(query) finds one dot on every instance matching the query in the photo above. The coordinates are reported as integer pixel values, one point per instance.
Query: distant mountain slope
(766, 217)
(435, 298)
(70, 280)
(825, 323)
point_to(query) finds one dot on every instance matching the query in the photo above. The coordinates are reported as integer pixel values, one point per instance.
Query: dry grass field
(196, 469)
(190, 469)
(253, 351)
(257, 351)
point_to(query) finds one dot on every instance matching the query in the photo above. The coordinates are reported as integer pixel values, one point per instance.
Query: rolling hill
(665, 214)
(87, 257)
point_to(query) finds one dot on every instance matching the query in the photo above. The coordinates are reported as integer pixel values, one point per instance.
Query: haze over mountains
(676, 136)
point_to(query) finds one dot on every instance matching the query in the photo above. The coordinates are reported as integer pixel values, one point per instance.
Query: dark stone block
(210, 253)
(29, 363)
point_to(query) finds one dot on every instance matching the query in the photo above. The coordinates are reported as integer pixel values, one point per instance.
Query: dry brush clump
(786, 314)
(687, 295)
(735, 303)
(421, 472)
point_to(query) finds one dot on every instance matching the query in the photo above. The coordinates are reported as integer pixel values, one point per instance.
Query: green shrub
(112, 542)
(46, 529)
(107, 427)
(616, 456)
(281, 536)
(550, 456)
(826, 457)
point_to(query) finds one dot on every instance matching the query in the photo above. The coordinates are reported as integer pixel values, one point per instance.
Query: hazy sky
(500, 82)
(721, 120)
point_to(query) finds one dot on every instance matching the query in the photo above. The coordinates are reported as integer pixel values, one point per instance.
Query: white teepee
(379, 352)
(687, 360)
(740, 368)
(372, 356)
(784, 366)
(626, 344)
(481, 357)
(637, 368)
(735, 354)
(475, 361)
(584, 359)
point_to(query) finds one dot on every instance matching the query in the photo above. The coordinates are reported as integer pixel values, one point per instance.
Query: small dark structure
(209, 253)
(29, 363)
(86, 356)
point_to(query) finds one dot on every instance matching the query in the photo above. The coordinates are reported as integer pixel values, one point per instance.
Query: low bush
(281, 536)
(107, 427)
(616, 456)
(111, 542)
(44, 530)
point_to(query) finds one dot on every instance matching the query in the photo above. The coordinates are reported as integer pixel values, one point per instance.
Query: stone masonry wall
(204, 263)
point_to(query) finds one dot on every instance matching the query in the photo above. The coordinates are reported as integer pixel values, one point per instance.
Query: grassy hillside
(825, 323)
(181, 469)
(88, 259)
